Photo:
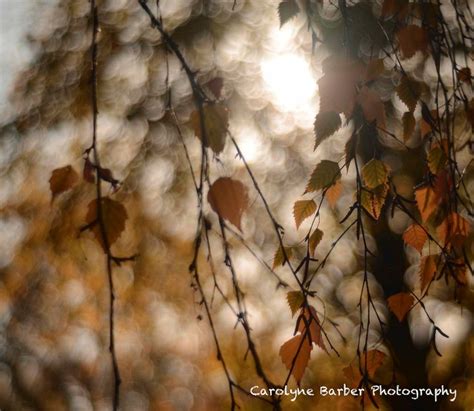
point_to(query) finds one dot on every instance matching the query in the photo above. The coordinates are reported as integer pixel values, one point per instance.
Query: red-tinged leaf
(325, 125)
(427, 201)
(302, 210)
(88, 173)
(374, 69)
(415, 236)
(400, 304)
(279, 257)
(412, 39)
(229, 199)
(62, 179)
(428, 268)
(453, 230)
(372, 106)
(215, 85)
(114, 216)
(373, 200)
(333, 193)
(314, 239)
(409, 123)
(287, 9)
(216, 122)
(295, 300)
(295, 354)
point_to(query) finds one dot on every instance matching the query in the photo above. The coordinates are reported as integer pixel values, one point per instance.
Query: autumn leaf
(395, 7)
(303, 209)
(88, 171)
(453, 230)
(216, 121)
(372, 106)
(412, 39)
(374, 69)
(408, 121)
(62, 179)
(427, 201)
(287, 9)
(279, 257)
(333, 193)
(415, 236)
(464, 75)
(375, 173)
(369, 362)
(373, 200)
(325, 125)
(114, 216)
(409, 91)
(295, 300)
(314, 239)
(229, 199)
(400, 304)
(324, 175)
(215, 85)
(437, 159)
(428, 269)
(295, 352)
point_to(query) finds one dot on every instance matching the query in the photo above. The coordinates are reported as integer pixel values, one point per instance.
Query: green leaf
(325, 174)
(295, 300)
(302, 210)
(375, 173)
(287, 9)
(314, 240)
(325, 125)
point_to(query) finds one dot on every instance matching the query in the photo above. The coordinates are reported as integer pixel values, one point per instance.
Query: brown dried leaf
(325, 125)
(295, 354)
(295, 300)
(229, 199)
(88, 171)
(62, 179)
(279, 257)
(412, 39)
(314, 239)
(400, 304)
(114, 216)
(324, 175)
(453, 230)
(409, 91)
(215, 85)
(408, 121)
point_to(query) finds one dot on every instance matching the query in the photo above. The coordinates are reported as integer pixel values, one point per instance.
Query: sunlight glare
(289, 79)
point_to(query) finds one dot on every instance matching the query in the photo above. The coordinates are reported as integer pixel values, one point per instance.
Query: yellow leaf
(303, 209)
(279, 258)
(375, 173)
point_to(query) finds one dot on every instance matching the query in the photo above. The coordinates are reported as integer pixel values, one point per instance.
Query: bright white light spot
(290, 80)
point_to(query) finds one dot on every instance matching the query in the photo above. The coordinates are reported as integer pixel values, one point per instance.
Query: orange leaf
(427, 201)
(415, 236)
(427, 270)
(302, 210)
(295, 354)
(314, 240)
(229, 199)
(333, 193)
(453, 230)
(62, 179)
(400, 304)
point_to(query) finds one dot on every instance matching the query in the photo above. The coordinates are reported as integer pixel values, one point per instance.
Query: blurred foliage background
(53, 287)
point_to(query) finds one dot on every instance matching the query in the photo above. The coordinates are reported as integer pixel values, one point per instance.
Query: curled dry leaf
(62, 179)
(400, 304)
(216, 122)
(114, 216)
(415, 236)
(229, 199)
(303, 209)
